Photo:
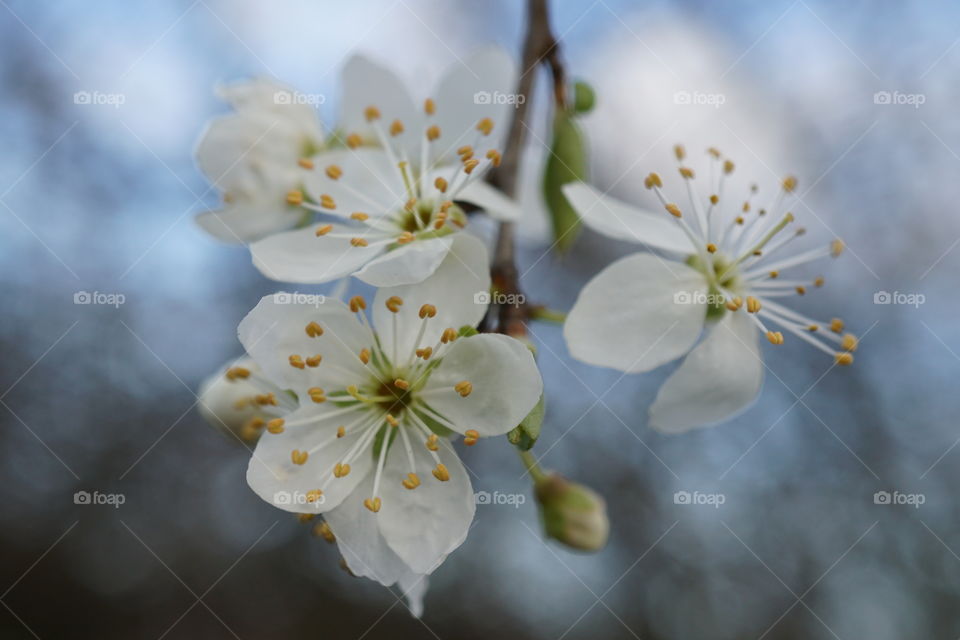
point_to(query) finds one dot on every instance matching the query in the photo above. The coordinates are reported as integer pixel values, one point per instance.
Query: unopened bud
(573, 514)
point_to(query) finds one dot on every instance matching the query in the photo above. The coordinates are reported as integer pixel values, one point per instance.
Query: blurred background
(858, 100)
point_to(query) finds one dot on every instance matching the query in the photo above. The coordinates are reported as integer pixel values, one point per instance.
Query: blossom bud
(227, 401)
(572, 513)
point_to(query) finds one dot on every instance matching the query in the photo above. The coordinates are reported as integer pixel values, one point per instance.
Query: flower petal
(476, 88)
(276, 479)
(414, 586)
(358, 537)
(618, 220)
(637, 314)
(423, 525)
(221, 401)
(246, 220)
(301, 256)
(407, 264)
(719, 378)
(455, 290)
(497, 205)
(505, 379)
(276, 329)
(368, 182)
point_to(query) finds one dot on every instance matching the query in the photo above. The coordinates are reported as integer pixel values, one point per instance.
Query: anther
(836, 325)
(295, 197)
(275, 425)
(687, 173)
(463, 388)
(396, 128)
(714, 199)
(774, 275)
(674, 210)
(679, 151)
(738, 220)
(713, 151)
(406, 238)
(314, 495)
(324, 230)
(470, 437)
(359, 242)
(365, 356)
(789, 184)
(235, 373)
(728, 167)
(323, 530)
(306, 163)
(341, 431)
(314, 330)
(441, 473)
(464, 150)
(326, 201)
(357, 303)
(340, 470)
(844, 359)
(735, 303)
(712, 248)
(653, 180)
(265, 399)
(371, 113)
(836, 247)
(431, 442)
(449, 335)
(753, 305)
(359, 216)
(485, 126)
(354, 140)
(296, 361)
(813, 328)
(299, 457)
(373, 505)
(433, 132)
(470, 165)
(849, 342)
(428, 311)
(440, 184)
(801, 290)
(775, 337)
(494, 156)
(425, 353)
(819, 281)
(429, 107)
(305, 517)
(314, 361)
(334, 172)
(411, 482)
(394, 303)
(317, 395)
(400, 383)
(393, 422)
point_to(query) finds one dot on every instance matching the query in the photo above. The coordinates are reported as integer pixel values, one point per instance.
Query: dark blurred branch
(540, 47)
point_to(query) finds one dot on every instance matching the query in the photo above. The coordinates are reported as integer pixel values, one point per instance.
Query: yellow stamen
(266, 398)
(295, 197)
(354, 140)
(728, 167)
(753, 305)
(836, 325)
(340, 470)
(334, 172)
(406, 238)
(686, 172)
(371, 113)
(801, 290)
(275, 425)
(373, 505)
(485, 126)
(774, 275)
(396, 128)
(394, 303)
(653, 180)
(324, 230)
(360, 216)
(296, 361)
(463, 388)
(314, 330)
(393, 422)
(819, 281)
(400, 383)
(470, 165)
(431, 442)
(679, 151)
(412, 481)
(440, 184)
(789, 184)
(674, 210)
(341, 431)
(713, 151)
(238, 372)
(326, 201)
(306, 163)
(849, 342)
(357, 303)
(775, 337)
(313, 496)
(470, 437)
(323, 530)
(305, 517)
(429, 107)
(844, 359)
(425, 353)
(714, 199)
(299, 457)
(494, 156)
(365, 356)
(433, 132)
(735, 303)
(813, 327)
(428, 311)
(449, 335)
(441, 473)
(712, 248)
(464, 150)
(836, 247)
(314, 361)
(359, 242)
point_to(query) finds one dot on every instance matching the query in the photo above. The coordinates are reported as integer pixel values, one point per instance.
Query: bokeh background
(100, 197)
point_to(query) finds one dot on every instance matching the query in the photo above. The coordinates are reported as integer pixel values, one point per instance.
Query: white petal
(618, 220)
(276, 329)
(719, 378)
(461, 104)
(497, 205)
(266, 95)
(358, 537)
(414, 586)
(423, 525)
(370, 182)
(506, 384)
(408, 264)
(220, 398)
(458, 289)
(301, 256)
(365, 84)
(246, 221)
(637, 314)
(275, 478)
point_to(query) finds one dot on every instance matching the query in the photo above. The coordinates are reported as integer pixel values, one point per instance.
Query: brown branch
(540, 47)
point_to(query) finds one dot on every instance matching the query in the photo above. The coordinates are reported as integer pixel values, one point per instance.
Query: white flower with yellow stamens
(251, 156)
(368, 445)
(390, 211)
(643, 311)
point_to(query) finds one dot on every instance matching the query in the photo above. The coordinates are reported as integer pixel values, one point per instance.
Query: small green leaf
(466, 331)
(526, 433)
(567, 162)
(583, 97)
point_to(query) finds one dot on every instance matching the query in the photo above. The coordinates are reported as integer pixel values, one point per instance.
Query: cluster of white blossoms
(723, 270)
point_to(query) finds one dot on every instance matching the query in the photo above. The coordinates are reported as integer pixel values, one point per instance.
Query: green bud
(584, 97)
(567, 162)
(572, 513)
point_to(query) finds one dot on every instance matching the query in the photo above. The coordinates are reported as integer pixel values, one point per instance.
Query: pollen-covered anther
(428, 311)
(372, 504)
(431, 442)
(734, 304)
(340, 470)
(836, 247)
(237, 373)
(714, 199)
(739, 220)
(429, 107)
(323, 530)
(441, 473)
(314, 330)
(396, 128)
(746, 207)
(314, 495)
(306, 163)
(275, 425)
(299, 457)
(801, 290)
(295, 197)
(774, 275)
(406, 238)
(433, 132)
(653, 180)
(410, 205)
(844, 359)
(445, 206)
(728, 166)
(470, 437)
(836, 325)
(819, 281)
(305, 517)
(334, 172)
(441, 184)
(494, 157)
(753, 305)
(687, 173)
(789, 183)
(371, 113)
(324, 230)
(357, 303)
(673, 209)
(359, 216)
(265, 399)
(359, 242)
(411, 481)
(393, 422)
(341, 431)
(813, 328)
(317, 395)
(314, 361)
(465, 150)
(679, 151)
(365, 356)
(470, 165)
(449, 335)
(485, 126)
(354, 140)
(712, 248)
(393, 304)
(463, 388)
(713, 151)
(849, 342)
(400, 383)
(775, 337)
(326, 201)
(425, 353)
(296, 361)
